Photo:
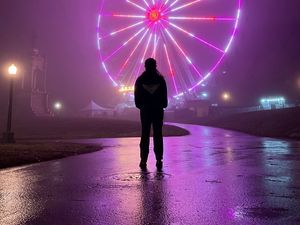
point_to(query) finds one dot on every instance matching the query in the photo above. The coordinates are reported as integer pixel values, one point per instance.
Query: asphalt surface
(212, 176)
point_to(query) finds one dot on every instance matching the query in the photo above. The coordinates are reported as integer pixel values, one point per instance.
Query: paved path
(212, 176)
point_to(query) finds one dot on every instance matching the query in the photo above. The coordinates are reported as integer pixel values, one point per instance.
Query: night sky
(264, 59)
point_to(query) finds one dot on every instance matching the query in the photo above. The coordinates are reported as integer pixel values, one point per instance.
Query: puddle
(139, 176)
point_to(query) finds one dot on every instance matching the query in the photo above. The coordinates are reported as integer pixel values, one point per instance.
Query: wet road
(212, 176)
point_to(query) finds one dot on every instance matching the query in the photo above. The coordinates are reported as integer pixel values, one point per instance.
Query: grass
(29, 148)
(280, 123)
(32, 152)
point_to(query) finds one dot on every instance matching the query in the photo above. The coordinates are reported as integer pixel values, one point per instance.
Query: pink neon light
(154, 15)
(167, 9)
(199, 39)
(129, 16)
(131, 54)
(162, 12)
(201, 18)
(171, 69)
(155, 41)
(185, 5)
(124, 44)
(146, 3)
(154, 46)
(144, 55)
(226, 50)
(121, 30)
(136, 5)
(182, 51)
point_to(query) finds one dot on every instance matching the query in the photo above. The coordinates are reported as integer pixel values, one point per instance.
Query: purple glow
(136, 5)
(124, 44)
(201, 18)
(185, 5)
(131, 54)
(144, 55)
(171, 69)
(187, 44)
(183, 53)
(192, 35)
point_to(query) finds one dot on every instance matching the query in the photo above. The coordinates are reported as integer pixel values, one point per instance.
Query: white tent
(94, 110)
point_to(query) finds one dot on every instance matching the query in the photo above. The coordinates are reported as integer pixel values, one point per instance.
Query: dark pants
(154, 117)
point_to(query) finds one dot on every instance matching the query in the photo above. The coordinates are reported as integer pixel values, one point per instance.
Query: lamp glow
(226, 96)
(57, 105)
(12, 70)
(130, 31)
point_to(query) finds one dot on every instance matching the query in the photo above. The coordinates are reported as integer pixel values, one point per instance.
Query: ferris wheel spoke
(174, 3)
(121, 30)
(170, 68)
(132, 52)
(166, 2)
(196, 37)
(147, 4)
(155, 42)
(133, 75)
(182, 79)
(184, 6)
(170, 6)
(212, 18)
(124, 44)
(182, 52)
(136, 5)
(163, 4)
(128, 16)
(144, 55)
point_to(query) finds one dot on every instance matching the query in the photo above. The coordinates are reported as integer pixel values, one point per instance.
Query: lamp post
(58, 107)
(8, 136)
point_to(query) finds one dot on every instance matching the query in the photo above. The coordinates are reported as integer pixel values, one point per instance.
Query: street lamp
(8, 135)
(58, 106)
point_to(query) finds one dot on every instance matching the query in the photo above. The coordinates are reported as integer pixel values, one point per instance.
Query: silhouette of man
(150, 95)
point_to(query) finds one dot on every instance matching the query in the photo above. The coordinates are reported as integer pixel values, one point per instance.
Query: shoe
(159, 164)
(143, 165)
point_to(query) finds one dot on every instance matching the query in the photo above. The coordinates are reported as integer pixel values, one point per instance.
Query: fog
(264, 58)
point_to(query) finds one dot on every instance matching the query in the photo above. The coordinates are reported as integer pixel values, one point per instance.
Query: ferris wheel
(188, 38)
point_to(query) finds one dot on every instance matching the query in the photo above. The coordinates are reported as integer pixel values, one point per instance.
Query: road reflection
(212, 176)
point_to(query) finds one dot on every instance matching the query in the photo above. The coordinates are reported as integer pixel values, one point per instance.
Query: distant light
(57, 105)
(226, 96)
(204, 94)
(272, 99)
(125, 89)
(12, 70)
(273, 102)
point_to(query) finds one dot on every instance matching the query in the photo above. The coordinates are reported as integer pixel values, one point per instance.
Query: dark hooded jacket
(150, 91)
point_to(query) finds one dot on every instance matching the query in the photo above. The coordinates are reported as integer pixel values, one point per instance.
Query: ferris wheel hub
(154, 15)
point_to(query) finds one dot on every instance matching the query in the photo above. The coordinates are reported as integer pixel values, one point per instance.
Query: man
(151, 98)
